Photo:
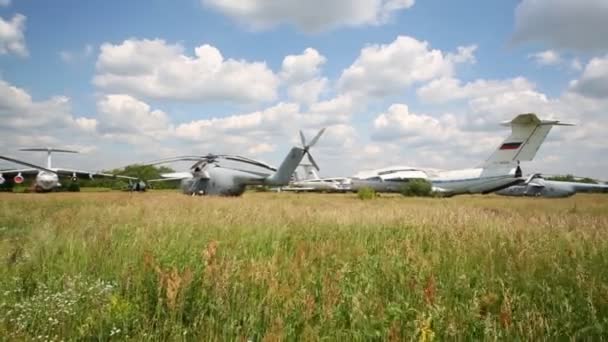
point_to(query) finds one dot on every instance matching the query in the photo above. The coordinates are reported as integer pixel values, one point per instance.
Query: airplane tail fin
(528, 132)
(310, 173)
(283, 174)
(49, 151)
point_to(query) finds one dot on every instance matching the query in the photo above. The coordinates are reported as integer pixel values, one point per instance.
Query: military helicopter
(210, 175)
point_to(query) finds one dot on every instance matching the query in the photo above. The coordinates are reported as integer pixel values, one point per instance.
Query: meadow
(272, 267)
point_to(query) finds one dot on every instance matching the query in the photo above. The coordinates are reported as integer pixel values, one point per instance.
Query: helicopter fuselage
(219, 181)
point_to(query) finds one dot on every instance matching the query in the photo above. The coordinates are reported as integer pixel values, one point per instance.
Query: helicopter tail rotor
(307, 147)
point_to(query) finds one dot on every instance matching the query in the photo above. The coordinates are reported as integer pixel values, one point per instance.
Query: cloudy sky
(410, 82)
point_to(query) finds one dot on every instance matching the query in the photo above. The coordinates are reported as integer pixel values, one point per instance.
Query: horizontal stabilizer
(47, 149)
(528, 132)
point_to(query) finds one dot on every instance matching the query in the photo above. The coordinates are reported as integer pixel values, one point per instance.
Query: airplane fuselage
(331, 185)
(477, 180)
(529, 191)
(551, 189)
(46, 181)
(454, 182)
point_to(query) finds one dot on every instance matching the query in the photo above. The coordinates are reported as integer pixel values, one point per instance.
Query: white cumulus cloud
(121, 114)
(302, 74)
(548, 57)
(594, 81)
(26, 122)
(398, 123)
(309, 16)
(158, 70)
(12, 40)
(450, 89)
(563, 24)
(387, 69)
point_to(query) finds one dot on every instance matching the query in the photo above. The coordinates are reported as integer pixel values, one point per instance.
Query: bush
(73, 187)
(120, 185)
(366, 192)
(417, 188)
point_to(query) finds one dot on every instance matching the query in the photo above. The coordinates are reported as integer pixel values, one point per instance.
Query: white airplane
(47, 178)
(312, 182)
(500, 171)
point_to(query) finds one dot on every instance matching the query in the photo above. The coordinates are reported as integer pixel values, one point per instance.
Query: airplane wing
(10, 172)
(24, 163)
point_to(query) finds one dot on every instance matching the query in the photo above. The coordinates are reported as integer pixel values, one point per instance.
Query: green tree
(143, 172)
(417, 188)
(571, 178)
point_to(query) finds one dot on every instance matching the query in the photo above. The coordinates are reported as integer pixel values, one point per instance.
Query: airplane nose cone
(47, 182)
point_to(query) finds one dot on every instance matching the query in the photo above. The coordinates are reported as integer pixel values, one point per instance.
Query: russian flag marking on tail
(527, 134)
(510, 146)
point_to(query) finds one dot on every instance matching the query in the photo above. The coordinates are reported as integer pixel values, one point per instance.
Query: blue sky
(121, 80)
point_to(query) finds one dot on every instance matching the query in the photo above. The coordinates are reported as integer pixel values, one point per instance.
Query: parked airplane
(500, 171)
(47, 178)
(208, 177)
(540, 187)
(313, 183)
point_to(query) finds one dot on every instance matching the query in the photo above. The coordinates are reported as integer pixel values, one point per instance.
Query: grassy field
(267, 266)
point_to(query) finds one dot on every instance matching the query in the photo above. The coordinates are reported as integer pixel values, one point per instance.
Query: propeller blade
(316, 138)
(312, 161)
(303, 139)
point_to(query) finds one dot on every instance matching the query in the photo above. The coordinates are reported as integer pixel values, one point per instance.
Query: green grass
(91, 189)
(268, 266)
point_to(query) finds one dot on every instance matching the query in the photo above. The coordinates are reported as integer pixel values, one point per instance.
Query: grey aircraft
(211, 174)
(47, 178)
(540, 187)
(499, 171)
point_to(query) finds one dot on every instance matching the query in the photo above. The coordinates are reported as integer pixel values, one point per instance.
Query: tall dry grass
(284, 266)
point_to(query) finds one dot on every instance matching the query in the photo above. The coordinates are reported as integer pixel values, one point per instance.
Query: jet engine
(2, 180)
(19, 179)
(74, 178)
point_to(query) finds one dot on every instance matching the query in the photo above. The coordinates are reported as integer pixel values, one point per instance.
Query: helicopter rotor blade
(312, 161)
(316, 138)
(302, 139)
